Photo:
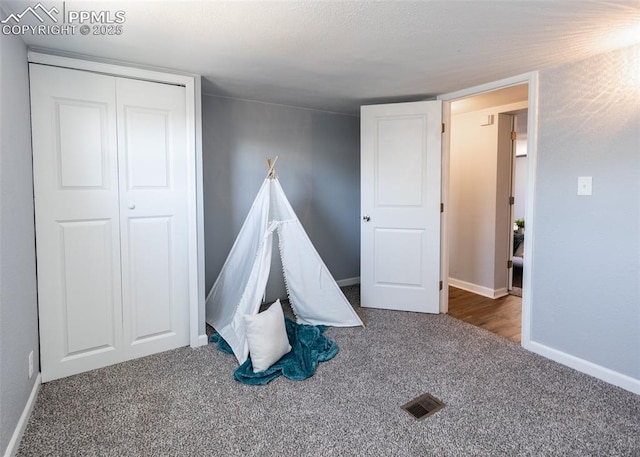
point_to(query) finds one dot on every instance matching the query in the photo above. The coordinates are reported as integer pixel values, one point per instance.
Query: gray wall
(319, 169)
(586, 259)
(18, 311)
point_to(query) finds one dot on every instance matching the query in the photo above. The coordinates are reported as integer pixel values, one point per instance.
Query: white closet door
(77, 226)
(152, 148)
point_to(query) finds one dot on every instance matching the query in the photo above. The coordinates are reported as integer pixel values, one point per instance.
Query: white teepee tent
(315, 297)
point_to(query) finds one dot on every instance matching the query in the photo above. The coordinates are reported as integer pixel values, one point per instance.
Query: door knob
(132, 206)
(366, 218)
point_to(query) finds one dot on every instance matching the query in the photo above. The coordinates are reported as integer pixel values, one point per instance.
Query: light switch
(585, 185)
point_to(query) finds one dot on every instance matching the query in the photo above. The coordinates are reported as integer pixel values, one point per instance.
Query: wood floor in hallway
(502, 316)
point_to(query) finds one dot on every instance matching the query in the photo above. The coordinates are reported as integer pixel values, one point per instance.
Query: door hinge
(442, 207)
(440, 285)
(509, 263)
(443, 127)
(512, 200)
(514, 136)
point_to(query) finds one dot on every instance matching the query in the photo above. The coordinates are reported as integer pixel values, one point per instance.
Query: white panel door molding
(400, 203)
(111, 186)
(153, 216)
(77, 223)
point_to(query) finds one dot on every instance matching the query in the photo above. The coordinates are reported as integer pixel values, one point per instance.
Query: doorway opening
(486, 205)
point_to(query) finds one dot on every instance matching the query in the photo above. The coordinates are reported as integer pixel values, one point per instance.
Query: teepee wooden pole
(271, 165)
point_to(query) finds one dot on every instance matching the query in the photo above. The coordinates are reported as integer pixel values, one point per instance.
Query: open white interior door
(400, 204)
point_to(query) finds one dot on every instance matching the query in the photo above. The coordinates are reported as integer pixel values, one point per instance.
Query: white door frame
(532, 139)
(192, 84)
(512, 189)
(512, 205)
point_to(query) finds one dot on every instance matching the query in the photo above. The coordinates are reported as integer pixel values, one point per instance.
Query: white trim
(584, 366)
(14, 442)
(499, 293)
(193, 210)
(192, 84)
(349, 281)
(115, 69)
(488, 87)
(477, 289)
(198, 314)
(444, 195)
(532, 158)
(203, 340)
(532, 149)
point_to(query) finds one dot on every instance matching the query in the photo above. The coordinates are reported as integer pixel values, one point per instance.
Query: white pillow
(267, 337)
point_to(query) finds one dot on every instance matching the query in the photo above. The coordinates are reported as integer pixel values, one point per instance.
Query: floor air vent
(423, 406)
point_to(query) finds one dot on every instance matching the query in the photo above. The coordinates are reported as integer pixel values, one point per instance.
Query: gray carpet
(501, 401)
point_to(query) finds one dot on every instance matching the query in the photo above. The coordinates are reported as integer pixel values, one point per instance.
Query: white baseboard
(203, 340)
(14, 442)
(476, 289)
(498, 293)
(349, 281)
(584, 366)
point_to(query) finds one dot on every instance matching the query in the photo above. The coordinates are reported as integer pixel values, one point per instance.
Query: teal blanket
(309, 347)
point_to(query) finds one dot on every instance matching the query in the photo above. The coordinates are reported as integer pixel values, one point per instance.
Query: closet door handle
(132, 206)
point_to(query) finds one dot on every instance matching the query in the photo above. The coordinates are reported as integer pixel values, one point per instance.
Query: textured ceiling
(337, 55)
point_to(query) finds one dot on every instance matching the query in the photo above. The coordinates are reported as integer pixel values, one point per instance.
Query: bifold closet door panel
(77, 219)
(152, 148)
